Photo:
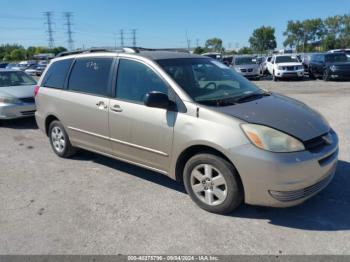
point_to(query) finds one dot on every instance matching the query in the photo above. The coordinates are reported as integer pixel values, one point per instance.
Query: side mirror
(157, 99)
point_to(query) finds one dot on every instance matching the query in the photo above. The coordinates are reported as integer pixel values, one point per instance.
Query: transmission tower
(49, 16)
(133, 31)
(121, 37)
(68, 16)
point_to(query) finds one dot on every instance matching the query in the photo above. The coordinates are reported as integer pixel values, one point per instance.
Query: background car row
(34, 68)
(333, 65)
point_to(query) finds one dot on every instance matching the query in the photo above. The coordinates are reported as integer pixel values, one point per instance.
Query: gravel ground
(94, 205)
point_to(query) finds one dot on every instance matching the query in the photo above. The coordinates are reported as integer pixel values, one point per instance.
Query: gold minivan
(191, 118)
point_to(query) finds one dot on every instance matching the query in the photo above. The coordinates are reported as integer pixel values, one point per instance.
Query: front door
(139, 133)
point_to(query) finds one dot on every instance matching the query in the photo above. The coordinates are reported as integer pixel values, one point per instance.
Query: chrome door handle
(116, 108)
(101, 105)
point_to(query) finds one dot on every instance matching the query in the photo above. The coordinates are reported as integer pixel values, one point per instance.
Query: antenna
(48, 15)
(68, 16)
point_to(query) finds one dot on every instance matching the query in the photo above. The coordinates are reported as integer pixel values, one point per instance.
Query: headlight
(271, 139)
(280, 68)
(332, 68)
(9, 100)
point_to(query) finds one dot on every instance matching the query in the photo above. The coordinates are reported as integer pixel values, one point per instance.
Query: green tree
(199, 50)
(263, 39)
(245, 51)
(214, 44)
(294, 34)
(18, 54)
(58, 49)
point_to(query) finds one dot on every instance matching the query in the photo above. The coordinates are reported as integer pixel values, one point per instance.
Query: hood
(282, 113)
(17, 91)
(289, 64)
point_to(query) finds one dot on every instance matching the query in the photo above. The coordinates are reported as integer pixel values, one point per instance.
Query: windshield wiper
(217, 102)
(250, 97)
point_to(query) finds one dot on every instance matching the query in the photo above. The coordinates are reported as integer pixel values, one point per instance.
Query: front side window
(15, 78)
(91, 75)
(208, 81)
(135, 80)
(335, 58)
(57, 73)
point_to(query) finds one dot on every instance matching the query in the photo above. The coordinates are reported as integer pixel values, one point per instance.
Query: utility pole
(188, 42)
(133, 31)
(48, 15)
(197, 42)
(68, 17)
(121, 37)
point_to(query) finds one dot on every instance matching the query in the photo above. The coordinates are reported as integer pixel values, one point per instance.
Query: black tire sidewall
(234, 188)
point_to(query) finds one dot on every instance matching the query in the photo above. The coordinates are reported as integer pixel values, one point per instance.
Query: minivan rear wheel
(213, 183)
(59, 140)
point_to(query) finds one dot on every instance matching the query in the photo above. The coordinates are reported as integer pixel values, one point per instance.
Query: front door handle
(101, 105)
(116, 108)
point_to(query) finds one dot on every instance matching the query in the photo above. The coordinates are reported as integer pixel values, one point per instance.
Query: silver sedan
(16, 94)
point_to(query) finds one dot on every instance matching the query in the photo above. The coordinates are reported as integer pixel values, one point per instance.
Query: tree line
(14, 52)
(304, 36)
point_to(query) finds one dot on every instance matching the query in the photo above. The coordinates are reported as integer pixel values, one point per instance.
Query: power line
(133, 31)
(121, 37)
(68, 16)
(48, 16)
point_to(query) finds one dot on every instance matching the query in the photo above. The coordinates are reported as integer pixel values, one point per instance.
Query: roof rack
(95, 50)
(123, 49)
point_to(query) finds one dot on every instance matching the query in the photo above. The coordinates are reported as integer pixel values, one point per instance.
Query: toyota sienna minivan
(191, 118)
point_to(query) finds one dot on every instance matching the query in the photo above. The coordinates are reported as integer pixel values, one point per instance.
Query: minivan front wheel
(213, 183)
(59, 140)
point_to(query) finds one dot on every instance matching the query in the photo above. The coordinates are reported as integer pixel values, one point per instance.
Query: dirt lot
(94, 205)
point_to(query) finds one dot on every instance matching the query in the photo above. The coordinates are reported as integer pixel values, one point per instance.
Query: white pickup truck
(285, 66)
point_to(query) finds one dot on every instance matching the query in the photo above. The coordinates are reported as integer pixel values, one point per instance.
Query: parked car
(3, 65)
(16, 94)
(40, 69)
(265, 63)
(189, 117)
(285, 66)
(329, 66)
(214, 55)
(31, 70)
(227, 60)
(12, 66)
(26, 64)
(247, 66)
(346, 51)
(305, 60)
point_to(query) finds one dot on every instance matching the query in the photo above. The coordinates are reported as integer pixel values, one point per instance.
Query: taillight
(36, 90)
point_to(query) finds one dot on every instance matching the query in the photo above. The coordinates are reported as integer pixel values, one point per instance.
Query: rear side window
(57, 73)
(91, 75)
(135, 80)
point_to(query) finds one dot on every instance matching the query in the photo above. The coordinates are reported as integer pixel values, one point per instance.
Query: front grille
(342, 67)
(243, 70)
(290, 68)
(27, 100)
(250, 70)
(316, 143)
(285, 196)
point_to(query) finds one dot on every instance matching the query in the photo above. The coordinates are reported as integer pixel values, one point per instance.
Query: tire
(59, 140)
(325, 75)
(312, 76)
(274, 78)
(211, 179)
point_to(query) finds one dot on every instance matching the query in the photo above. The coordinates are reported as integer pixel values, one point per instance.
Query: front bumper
(289, 74)
(284, 179)
(12, 111)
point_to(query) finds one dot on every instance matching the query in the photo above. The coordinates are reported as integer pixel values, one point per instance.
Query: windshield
(334, 58)
(8, 78)
(286, 59)
(244, 60)
(208, 81)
